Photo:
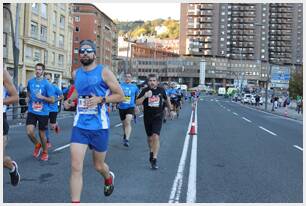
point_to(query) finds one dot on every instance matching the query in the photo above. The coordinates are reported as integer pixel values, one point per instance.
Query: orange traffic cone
(192, 129)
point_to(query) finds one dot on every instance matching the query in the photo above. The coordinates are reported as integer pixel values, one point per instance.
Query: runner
(39, 95)
(53, 108)
(152, 99)
(175, 101)
(127, 107)
(166, 111)
(10, 96)
(91, 123)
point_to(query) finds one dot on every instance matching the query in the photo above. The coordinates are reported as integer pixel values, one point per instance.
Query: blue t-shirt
(173, 93)
(36, 105)
(130, 93)
(56, 92)
(88, 83)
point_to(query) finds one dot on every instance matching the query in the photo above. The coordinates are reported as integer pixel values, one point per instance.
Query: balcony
(207, 13)
(206, 6)
(206, 19)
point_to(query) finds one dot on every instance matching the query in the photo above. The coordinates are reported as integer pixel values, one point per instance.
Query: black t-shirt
(153, 105)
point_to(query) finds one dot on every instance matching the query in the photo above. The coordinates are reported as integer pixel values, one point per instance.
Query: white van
(221, 91)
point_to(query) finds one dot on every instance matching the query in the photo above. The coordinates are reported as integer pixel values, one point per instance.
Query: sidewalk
(281, 111)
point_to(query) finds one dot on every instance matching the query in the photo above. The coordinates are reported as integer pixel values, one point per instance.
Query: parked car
(253, 100)
(246, 99)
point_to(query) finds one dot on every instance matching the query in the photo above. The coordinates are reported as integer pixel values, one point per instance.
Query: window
(76, 59)
(35, 8)
(34, 29)
(43, 33)
(4, 39)
(62, 21)
(46, 56)
(53, 58)
(77, 29)
(61, 41)
(44, 9)
(62, 6)
(60, 59)
(37, 55)
(54, 18)
(54, 38)
(76, 50)
(28, 52)
(77, 19)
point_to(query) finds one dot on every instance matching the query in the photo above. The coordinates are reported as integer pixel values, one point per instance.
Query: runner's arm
(111, 81)
(8, 84)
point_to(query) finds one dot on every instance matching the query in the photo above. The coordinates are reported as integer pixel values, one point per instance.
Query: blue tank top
(86, 84)
(5, 94)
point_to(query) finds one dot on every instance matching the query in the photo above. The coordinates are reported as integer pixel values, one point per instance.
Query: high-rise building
(91, 23)
(243, 31)
(44, 35)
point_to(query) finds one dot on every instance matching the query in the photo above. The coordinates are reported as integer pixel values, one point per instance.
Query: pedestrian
(152, 98)
(53, 109)
(10, 96)
(22, 102)
(299, 104)
(91, 123)
(127, 107)
(39, 95)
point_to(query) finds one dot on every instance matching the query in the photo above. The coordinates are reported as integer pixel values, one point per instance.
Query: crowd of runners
(95, 88)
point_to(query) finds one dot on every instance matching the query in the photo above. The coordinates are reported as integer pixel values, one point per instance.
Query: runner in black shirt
(152, 99)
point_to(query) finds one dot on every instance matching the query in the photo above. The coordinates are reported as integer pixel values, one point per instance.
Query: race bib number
(127, 100)
(153, 101)
(83, 108)
(37, 106)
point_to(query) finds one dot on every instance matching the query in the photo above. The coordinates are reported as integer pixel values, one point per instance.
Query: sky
(140, 11)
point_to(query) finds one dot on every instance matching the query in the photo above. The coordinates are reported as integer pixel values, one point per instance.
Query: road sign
(280, 74)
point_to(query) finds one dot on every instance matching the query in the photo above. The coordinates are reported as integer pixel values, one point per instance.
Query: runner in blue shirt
(53, 108)
(174, 99)
(93, 84)
(39, 95)
(127, 107)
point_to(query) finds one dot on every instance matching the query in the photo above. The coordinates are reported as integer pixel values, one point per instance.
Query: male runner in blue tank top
(127, 107)
(93, 83)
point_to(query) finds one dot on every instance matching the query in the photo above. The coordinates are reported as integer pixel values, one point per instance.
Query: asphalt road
(237, 155)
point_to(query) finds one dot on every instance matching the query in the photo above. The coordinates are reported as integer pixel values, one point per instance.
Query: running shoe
(108, 189)
(44, 156)
(154, 164)
(15, 177)
(57, 129)
(37, 150)
(126, 143)
(151, 157)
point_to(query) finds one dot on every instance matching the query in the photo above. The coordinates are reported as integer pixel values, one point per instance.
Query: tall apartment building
(243, 31)
(44, 35)
(91, 23)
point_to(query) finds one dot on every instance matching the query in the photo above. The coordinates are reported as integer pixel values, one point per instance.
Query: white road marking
(192, 179)
(118, 125)
(60, 148)
(177, 183)
(141, 115)
(235, 113)
(228, 110)
(298, 147)
(267, 130)
(246, 119)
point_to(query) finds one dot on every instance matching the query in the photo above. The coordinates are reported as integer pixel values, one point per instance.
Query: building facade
(91, 23)
(263, 32)
(44, 35)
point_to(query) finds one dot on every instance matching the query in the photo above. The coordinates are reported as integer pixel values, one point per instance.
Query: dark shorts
(95, 139)
(153, 124)
(124, 112)
(52, 117)
(6, 126)
(42, 120)
(175, 102)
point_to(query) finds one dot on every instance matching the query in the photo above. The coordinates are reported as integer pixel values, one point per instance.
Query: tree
(296, 83)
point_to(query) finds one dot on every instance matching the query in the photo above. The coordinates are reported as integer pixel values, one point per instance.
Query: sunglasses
(87, 50)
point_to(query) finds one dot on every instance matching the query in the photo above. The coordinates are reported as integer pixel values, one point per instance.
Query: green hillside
(147, 28)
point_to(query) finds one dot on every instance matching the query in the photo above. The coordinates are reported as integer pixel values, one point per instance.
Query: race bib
(127, 100)
(37, 106)
(83, 108)
(153, 101)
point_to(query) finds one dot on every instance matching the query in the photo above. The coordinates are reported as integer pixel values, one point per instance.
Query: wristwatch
(103, 100)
